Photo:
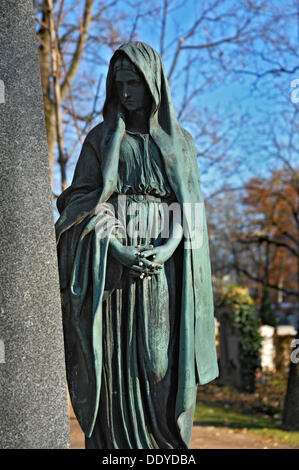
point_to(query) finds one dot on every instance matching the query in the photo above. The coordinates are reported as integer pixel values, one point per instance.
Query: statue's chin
(131, 107)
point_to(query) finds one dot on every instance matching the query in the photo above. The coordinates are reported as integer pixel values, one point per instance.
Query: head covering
(148, 63)
(123, 63)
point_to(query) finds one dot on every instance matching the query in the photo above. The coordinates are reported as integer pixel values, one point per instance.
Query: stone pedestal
(33, 404)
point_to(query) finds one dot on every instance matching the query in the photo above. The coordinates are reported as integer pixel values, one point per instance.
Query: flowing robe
(88, 275)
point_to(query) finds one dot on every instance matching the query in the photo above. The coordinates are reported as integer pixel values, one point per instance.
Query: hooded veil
(84, 264)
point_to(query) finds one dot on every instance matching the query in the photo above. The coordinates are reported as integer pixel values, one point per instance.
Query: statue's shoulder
(94, 136)
(187, 134)
(189, 139)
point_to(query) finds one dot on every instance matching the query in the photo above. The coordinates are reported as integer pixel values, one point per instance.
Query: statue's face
(132, 90)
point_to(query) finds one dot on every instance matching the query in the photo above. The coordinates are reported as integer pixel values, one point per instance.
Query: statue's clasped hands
(150, 261)
(142, 260)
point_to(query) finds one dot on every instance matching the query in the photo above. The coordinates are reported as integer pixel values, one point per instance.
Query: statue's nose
(125, 92)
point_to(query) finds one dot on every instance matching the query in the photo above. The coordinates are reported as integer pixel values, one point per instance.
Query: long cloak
(85, 267)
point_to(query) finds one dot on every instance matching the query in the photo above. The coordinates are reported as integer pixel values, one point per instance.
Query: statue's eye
(134, 82)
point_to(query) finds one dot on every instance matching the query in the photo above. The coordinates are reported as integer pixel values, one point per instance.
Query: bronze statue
(137, 299)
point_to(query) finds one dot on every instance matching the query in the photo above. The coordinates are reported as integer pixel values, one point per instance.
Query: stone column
(33, 399)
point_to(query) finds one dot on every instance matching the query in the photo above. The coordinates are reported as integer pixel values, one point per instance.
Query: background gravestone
(267, 349)
(33, 400)
(230, 368)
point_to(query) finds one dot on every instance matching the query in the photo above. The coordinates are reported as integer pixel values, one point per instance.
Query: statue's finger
(145, 262)
(145, 247)
(156, 266)
(134, 273)
(137, 268)
(148, 253)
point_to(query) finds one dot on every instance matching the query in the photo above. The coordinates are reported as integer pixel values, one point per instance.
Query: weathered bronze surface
(137, 300)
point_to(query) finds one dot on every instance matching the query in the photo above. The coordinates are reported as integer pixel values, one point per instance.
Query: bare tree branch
(79, 49)
(56, 66)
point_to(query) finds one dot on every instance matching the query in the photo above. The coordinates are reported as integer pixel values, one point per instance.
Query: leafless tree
(202, 45)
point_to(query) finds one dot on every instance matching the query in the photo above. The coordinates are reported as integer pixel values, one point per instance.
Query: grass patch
(229, 416)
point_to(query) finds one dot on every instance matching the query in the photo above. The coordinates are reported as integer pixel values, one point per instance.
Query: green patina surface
(135, 351)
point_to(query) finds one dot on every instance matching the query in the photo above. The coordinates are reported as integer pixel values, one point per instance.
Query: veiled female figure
(137, 299)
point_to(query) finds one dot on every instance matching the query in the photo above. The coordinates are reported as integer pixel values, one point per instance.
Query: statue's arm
(109, 165)
(175, 237)
(87, 176)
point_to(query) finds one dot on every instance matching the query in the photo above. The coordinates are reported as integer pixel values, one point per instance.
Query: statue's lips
(129, 103)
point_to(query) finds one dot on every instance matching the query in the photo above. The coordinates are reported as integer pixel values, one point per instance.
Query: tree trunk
(44, 60)
(55, 71)
(291, 405)
(51, 133)
(45, 68)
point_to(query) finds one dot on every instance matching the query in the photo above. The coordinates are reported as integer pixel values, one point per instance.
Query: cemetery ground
(247, 420)
(226, 418)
